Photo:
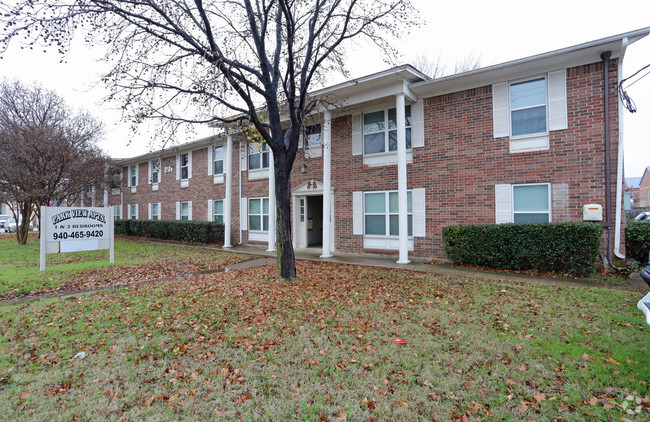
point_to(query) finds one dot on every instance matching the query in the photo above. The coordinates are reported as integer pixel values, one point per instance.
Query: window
(155, 211)
(217, 208)
(155, 171)
(381, 213)
(528, 107)
(380, 131)
(133, 211)
(523, 203)
(258, 155)
(258, 214)
(218, 159)
(313, 136)
(185, 211)
(133, 175)
(117, 212)
(185, 166)
(530, 203)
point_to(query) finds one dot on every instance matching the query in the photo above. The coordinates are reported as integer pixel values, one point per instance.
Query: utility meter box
(592, 212)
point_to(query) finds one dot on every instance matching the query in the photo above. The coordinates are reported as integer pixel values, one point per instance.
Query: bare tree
(190, 61)
(47, 153)
(435, 67)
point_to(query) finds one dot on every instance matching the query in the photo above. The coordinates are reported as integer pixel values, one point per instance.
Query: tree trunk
(22, 229)
(284, 245)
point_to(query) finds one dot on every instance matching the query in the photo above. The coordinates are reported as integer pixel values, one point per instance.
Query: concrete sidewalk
(425, 265)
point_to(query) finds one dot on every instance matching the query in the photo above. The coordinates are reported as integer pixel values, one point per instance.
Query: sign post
(76, 229)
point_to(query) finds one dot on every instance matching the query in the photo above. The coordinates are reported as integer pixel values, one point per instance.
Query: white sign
(76, 229)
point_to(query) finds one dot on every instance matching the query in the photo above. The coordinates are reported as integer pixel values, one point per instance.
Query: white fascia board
(564, 58)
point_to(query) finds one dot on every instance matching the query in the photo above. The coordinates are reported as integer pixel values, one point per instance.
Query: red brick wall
(458, 166)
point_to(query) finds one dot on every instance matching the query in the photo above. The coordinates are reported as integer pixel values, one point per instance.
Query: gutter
(619, 172)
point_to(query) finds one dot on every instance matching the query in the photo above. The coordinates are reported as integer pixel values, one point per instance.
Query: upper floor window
(258, 155)
(133, 175)
(185, 166)
(528, 107)
(218, 159)
(155, 171)
(313, 136)
(380, 131)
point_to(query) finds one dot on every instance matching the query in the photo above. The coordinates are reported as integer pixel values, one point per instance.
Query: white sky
(497, 31)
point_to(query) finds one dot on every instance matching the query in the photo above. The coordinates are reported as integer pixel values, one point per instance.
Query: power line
(627, 102)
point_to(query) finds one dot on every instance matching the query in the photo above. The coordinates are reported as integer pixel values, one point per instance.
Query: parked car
(10, 225)
(644, 216)
(3, 221)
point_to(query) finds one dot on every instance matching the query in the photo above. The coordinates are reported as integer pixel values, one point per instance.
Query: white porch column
(105, 197)
(227, 203)
(271, 203)
(327, 183)
(401, 181)
(92, 199)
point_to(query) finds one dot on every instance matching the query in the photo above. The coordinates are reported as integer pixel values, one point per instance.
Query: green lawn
(243, 345)
(20, 269)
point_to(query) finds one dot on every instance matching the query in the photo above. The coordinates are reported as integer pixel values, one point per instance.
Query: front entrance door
(314, 221)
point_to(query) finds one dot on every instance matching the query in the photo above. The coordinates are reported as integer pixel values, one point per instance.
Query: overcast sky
(497, 31)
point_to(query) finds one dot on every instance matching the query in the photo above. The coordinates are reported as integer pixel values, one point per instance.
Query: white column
(105, 197)
(92, 200)
(327, 183)
(271, 203)
(227, 202)
(401, 181)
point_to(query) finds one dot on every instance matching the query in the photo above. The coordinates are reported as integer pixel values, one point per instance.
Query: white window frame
(215, 215)
(217, 160)
(185, 166)
(133, 177)
(312, 132)
(154, 171)
(133, 212)
(386, 157)
(555, 107)
(188, 214)
(550, 204)
(153, 207)
(117, 212)
(385, 241)
(261, 172)
(386, 131)
(505, 202)
(258, 235)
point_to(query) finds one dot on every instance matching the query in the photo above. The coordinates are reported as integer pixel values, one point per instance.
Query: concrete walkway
(425, 265)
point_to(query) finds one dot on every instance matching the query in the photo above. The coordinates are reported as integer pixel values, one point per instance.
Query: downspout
(605, 56)
(619, 172)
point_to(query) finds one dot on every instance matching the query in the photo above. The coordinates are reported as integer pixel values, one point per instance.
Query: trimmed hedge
(570, 248)
(637, 241)
(183, 231)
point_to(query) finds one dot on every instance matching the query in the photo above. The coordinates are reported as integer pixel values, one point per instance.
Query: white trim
(357, 213)
(210, 216)
(502, 203)
(417, 125)
(419, 204)
(557, 100)
(243, 213)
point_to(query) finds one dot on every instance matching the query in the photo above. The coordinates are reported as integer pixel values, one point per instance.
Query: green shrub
(183, 231)
(637, 241)
(570, 248)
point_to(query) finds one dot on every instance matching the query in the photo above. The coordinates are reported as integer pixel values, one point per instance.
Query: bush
(183, 231)
(637, 241)
(570, 248)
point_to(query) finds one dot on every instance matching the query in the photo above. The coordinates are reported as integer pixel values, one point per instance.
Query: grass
(20, 272)
(242, 345)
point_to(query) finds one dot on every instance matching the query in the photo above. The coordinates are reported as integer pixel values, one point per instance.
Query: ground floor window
(155, 211)
(381, 213)
(185, 210)
(117, 212)
(258, 214)
(217, 209)
(531, 203)
(133, 211)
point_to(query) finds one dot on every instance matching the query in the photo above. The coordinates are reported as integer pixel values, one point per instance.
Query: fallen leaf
(610, 360)
(23, 395)
(539, 396)
(522, 368)
(585, 356)
(401, 403)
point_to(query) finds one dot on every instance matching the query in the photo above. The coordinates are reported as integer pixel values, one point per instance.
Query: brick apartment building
(514, 142)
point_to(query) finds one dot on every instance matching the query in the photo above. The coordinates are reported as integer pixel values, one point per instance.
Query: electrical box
(592, 212)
